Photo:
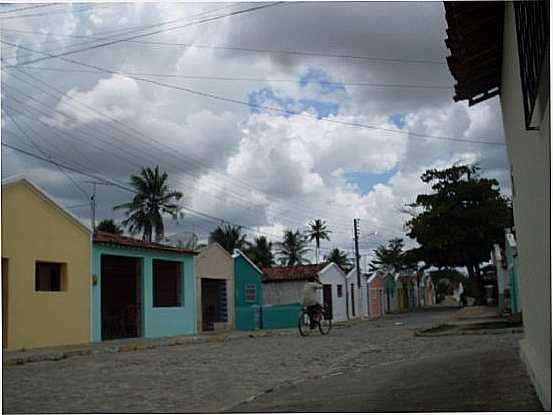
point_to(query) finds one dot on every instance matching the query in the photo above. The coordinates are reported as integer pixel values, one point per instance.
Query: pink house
(375, 285)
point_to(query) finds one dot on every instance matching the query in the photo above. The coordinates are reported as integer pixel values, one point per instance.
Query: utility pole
(93, 207)
(356, 239)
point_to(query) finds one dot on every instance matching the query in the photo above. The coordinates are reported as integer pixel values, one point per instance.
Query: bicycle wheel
(304, 324)
(324, 323)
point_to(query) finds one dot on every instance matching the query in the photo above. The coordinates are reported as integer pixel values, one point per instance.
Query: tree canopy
(318, 231)
(109, 226)
(340, 258)
(229, 237)
(152, 198)
(293, 248)
(261, 252)
(390, 256)
(458, 223)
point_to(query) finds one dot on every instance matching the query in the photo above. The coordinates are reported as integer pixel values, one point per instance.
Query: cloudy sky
(267, 118)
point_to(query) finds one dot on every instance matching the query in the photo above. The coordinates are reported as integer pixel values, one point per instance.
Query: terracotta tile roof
(111, 239)
(295, 273)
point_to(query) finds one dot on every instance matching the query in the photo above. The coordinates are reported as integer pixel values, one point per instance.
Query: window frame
(62, 276)
(250, 287)
(179, 278)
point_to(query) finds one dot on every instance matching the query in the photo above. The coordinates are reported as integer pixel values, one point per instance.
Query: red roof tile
(111, 239)
(295, 273)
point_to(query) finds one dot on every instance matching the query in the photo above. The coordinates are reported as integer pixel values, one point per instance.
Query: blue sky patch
(319, 76)
(366, 181)
(398, 119)
(267, 97)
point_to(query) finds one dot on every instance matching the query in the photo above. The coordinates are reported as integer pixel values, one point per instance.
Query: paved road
(213, 377)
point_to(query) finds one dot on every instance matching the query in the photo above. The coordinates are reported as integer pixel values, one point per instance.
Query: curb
(55, 356)
(453, 332)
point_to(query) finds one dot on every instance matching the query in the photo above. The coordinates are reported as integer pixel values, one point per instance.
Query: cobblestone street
(215, 377)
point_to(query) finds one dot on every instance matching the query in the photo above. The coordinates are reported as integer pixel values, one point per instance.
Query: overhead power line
(27, 8)
(246, 79)
(113, 42)
(266, 107)
(250, 50)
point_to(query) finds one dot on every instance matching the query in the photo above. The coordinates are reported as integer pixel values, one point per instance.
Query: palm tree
(261, 252)
(109, 226)
(293, 248)
(229, 237)
(318, 231)
(152, 198)
(340, 258)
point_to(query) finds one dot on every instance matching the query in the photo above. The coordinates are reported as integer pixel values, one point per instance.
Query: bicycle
(308, 322)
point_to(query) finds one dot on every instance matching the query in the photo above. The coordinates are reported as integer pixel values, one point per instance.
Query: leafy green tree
(318, 231)
(389, 256)
(152, 198)
(261, 252)
(340, 258)
(458, 223)
(229, 237)
(109, 226)
(293, 248)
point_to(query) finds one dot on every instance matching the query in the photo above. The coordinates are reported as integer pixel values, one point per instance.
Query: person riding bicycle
(311, 298)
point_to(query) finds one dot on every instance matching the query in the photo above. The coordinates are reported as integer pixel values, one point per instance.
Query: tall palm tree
(261, 252)
(229, 237)
(340, 258)
(318, 231)
(152, 198)
(293, 248)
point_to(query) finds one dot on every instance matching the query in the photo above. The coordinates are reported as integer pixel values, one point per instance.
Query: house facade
(507, 54)
(46, 281)
(390, 293)
(499, 261)
(141, 289)
(336, 295)
(358, 296)
(375, 285)
(248, 292)
(215, 289)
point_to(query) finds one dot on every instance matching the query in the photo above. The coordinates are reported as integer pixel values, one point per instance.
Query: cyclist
(311, 299)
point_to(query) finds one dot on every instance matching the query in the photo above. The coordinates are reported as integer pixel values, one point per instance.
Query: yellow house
(46, 281)
(215, 288)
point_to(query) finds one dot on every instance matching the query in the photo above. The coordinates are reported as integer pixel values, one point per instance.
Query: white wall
(360, 294)
(284, 292)
(529, 154)
(334, 276)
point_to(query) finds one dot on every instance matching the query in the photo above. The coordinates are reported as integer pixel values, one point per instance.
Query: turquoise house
(248, 293)
(512, 268)
(141, 289)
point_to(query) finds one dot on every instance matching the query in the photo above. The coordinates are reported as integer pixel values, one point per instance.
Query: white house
(503, 48)
(284, 285)
(358, 296)
(335, 282)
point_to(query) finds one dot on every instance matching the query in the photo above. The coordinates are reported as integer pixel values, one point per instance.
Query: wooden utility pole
(356, 239)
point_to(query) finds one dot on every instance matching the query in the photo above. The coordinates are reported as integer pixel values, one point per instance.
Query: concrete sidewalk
(490, 380)
(20, 357)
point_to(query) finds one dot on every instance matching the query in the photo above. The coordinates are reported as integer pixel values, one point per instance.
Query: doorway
(214, 303)
(121, 297)
(5, 299)
(327, 300)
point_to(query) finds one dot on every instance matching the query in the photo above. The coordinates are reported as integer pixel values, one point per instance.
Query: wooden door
(327, 300)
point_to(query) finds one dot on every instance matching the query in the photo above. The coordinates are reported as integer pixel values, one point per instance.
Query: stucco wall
(529, 154)
(360, 295)
(215, 262)
(157, 321)
(284, 292)
(248, 314)
(35, 229)
(334, 276)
